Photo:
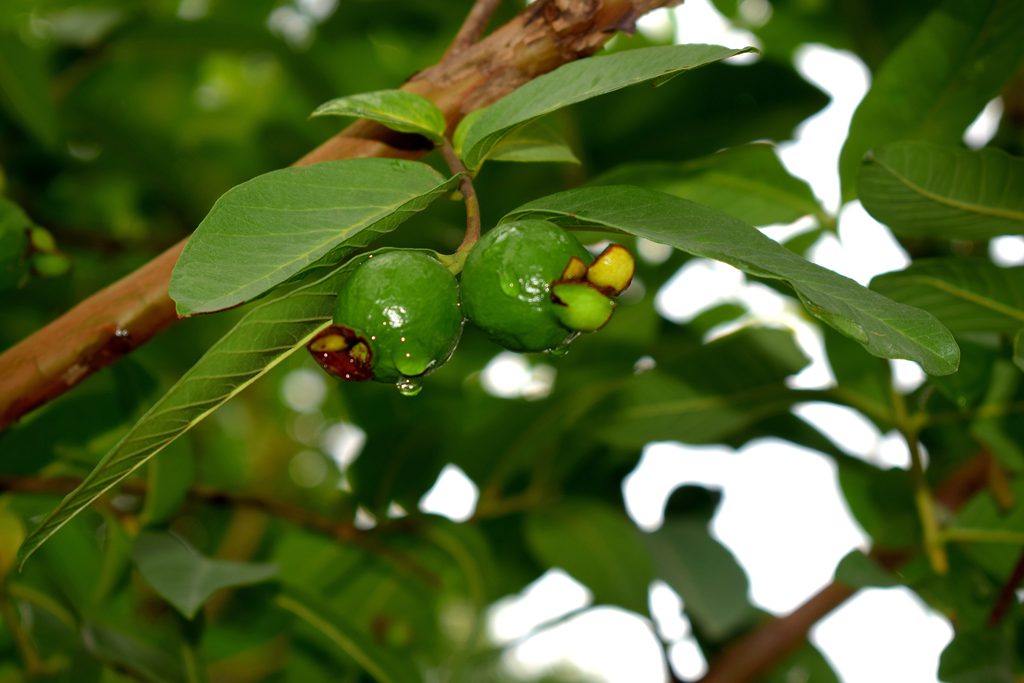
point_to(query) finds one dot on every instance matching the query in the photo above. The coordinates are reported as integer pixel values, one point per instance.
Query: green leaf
(383, 666)
(267, 335)
(924, 190)
(857, 570)
(598, 546)
(706, 394)
(536, 143)
(25, 88)
(399, 110)
(266, 230)
(168, 481)
(966, 294)
(884, 327)
(576, 82)
(748, 182)
(882, 502)
(130, 653)
(991, 534)
(186, 579)
(982, 655)
(940, 77)
(705, 574)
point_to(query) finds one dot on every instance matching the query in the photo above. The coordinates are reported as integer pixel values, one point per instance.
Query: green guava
(506, 283)
(397, 316)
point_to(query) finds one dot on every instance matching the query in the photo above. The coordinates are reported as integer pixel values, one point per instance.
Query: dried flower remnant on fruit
(612, 270)
(576, 270)
(342, 353)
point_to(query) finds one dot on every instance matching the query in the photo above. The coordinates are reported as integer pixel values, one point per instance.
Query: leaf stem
(934, 541)
(472, 203)
(34, 665)
(964, 535)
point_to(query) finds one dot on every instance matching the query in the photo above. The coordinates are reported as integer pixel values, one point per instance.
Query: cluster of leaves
(113, 595)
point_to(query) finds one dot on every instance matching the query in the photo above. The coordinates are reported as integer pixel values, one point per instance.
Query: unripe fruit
(506, 283)
(397, 316)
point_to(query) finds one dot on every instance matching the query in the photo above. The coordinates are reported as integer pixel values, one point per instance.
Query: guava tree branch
(473, 26)
(758, 652)
(120, 318)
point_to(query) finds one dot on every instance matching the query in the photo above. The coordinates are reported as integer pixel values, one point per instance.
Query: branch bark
(122, 317)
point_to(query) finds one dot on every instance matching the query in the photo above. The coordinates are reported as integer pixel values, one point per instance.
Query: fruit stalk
(469, 195)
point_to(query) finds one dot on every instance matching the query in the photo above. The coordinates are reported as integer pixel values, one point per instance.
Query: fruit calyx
(582, 294)
(343, 353)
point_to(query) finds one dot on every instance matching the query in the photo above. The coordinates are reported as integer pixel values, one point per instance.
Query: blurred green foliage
(122, 121)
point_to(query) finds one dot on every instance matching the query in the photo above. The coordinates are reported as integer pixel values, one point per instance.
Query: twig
(1008, 594)
(766, 647)
(340, 530)
(472, 26)
(934, 544)
(468, 193)
(120, 318)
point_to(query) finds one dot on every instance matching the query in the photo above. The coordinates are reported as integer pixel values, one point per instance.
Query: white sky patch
(687, 660)
(984, 128)
(865, 248)
(453, 495)
(904, 645)
(343, 441)
(697, 21)
(667, 612)
(511, 375)
(303, 390)
(551, 596)
(606, 644)
(698, 285)
(800, 514)
(1007, 251)
(684, 654)
(656, 25)
(800, 531)
(907, 375)
(814, 154)
(857, 434)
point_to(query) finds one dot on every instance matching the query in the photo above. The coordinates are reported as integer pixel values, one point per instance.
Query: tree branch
(125, 315)
(473, 26)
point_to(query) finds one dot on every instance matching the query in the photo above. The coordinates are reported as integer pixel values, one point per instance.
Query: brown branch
(341, 530)
(758, 652)
(120, 318)
(472, 27)
(1008, 594)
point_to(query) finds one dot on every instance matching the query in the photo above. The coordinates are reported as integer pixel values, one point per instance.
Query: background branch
(125, 315)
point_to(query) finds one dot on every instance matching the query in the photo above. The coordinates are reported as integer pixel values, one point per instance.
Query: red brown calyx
(342, 353)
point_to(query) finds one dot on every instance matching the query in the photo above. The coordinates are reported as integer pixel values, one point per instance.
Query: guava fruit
(397, 316)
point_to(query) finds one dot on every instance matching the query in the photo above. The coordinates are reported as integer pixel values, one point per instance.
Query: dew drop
(562, 348)
(408, 386)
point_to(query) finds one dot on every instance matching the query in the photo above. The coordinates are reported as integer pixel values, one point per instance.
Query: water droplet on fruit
(408, 386)
(563, 348)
